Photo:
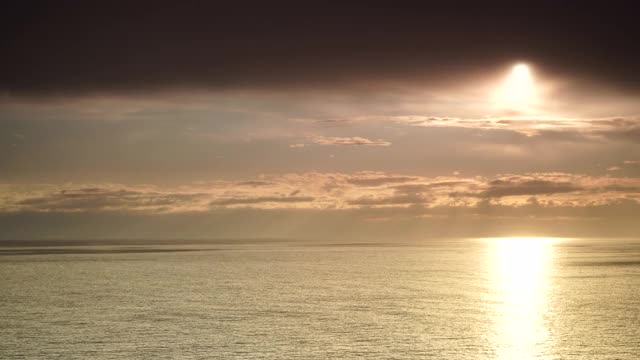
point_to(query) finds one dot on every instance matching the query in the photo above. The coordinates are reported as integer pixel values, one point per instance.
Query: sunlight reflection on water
(519, 272)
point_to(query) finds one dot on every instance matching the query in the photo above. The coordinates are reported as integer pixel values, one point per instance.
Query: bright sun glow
(518, 91)
(519, 270)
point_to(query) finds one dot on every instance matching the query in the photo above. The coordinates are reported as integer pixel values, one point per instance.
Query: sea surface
(507, 298)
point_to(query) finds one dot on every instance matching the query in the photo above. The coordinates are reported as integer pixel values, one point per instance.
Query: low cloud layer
(328, 206)
(328, 191)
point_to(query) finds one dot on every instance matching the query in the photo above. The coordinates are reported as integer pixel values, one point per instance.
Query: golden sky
(221, 129)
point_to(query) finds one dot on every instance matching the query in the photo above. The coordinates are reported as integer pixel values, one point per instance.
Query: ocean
(506, 298)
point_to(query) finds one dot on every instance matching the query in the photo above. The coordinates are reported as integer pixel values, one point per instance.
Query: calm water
(464, 299)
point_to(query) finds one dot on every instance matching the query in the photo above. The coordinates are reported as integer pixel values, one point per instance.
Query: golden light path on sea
(519, 274)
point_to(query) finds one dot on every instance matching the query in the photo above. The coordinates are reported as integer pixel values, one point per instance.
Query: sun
(517, 91)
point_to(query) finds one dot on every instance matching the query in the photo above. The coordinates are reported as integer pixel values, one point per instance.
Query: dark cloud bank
(80, 47)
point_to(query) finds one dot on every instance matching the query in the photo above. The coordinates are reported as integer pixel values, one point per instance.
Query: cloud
(501, 188)
(254, 183)
(389, 200)
(348, 141)
(618, 128)
(261, 200)
(624, 165)
(325, 203)
(379, 179)
(327, 191)
(332, 121)
(400, 224)
(622, 188)
(171, 47)
(109, 198)
(446, 184)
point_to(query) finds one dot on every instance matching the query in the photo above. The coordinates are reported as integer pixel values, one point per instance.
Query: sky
(361, 121)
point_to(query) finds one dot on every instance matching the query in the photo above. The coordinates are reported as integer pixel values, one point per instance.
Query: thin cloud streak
(619, 128)
(348, 141)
